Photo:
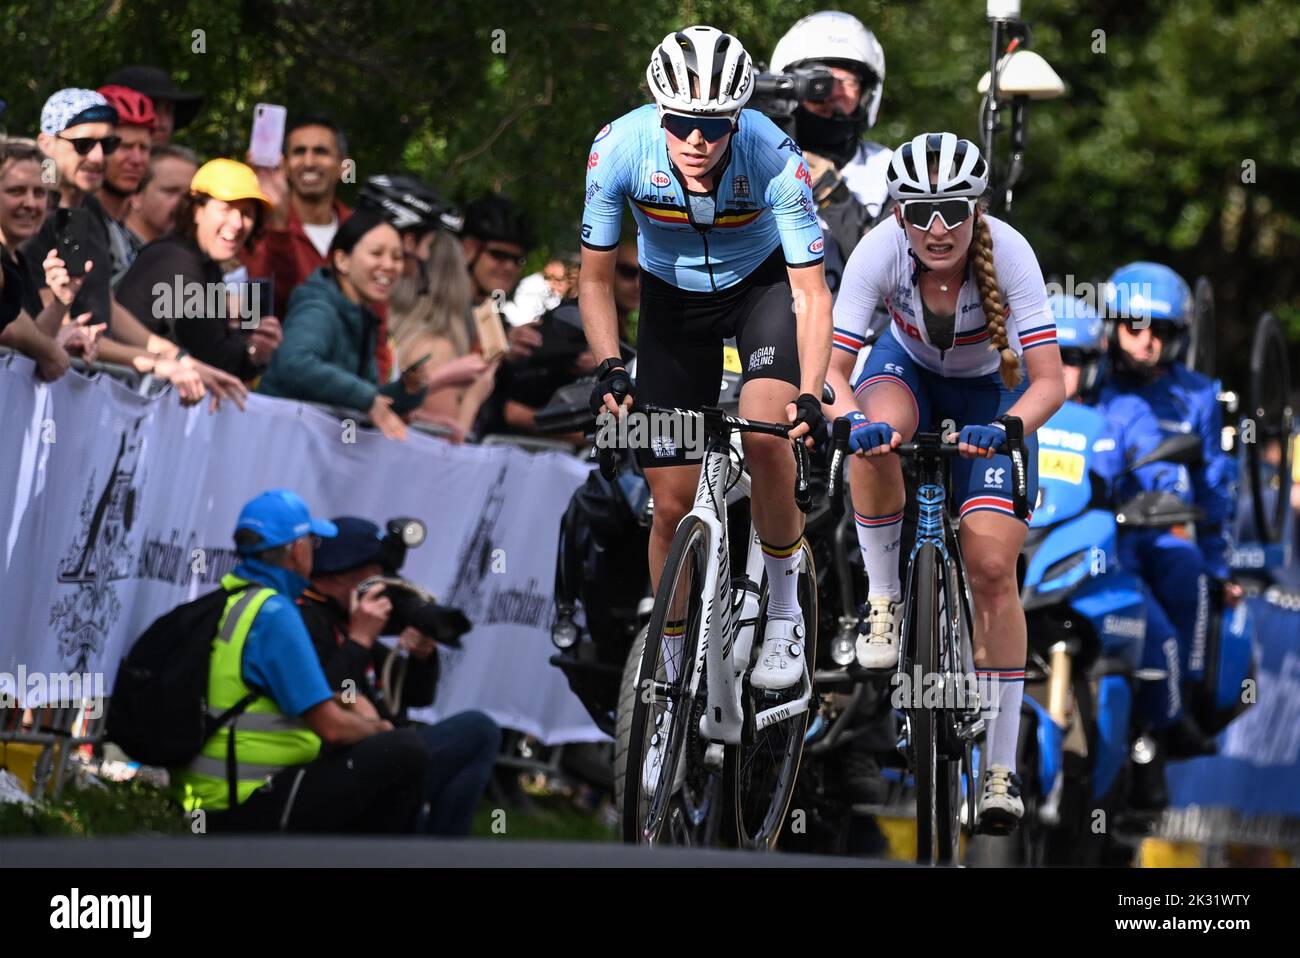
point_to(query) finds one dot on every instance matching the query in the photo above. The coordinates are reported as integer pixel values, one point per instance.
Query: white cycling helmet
(835, 39)
(715, 59)
(962, 172)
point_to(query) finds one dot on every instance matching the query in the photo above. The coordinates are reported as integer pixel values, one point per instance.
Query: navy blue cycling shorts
(978, 484)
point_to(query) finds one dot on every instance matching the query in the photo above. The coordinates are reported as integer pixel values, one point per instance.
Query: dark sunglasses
(627, 272)
(84, 144)
(921, 213)
(713, 128)
(503, 256)
(1161, 331)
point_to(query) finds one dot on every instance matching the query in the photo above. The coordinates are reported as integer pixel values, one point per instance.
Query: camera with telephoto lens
(777, 94)
(413, 605)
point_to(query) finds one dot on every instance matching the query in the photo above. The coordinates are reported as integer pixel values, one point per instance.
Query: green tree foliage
(1178, 140)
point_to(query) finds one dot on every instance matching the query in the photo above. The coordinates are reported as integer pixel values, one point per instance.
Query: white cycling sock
(673, 639)
(1001, 692)
(878, 538)
(782, 567)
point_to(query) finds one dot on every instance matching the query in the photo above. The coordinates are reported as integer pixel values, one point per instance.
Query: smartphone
(266, 146)
(491, 333)
(74, 229)
(263, 293)
(418, 363)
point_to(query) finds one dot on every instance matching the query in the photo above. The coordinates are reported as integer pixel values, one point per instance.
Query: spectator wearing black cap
(462, 748)
(176, 109)
(331, 330)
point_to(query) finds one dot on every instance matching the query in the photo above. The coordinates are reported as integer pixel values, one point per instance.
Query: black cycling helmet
(493, 217)
(410, 205)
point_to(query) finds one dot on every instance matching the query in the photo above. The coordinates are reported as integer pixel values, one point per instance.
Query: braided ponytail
(981, 253)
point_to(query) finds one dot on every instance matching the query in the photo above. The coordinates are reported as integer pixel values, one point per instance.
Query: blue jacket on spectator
(328, 352)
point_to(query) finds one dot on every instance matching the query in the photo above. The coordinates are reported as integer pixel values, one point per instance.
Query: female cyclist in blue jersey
(729, 245)
(963, 320)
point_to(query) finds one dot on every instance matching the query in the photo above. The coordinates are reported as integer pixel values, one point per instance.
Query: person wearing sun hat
(176, 109)
(214, 222)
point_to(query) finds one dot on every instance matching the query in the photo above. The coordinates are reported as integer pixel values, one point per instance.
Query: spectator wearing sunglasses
(77, 133)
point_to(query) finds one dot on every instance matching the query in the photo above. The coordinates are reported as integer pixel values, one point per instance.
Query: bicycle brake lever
(839, 447)
(608, 458)
(802, 494)
(1015, 446)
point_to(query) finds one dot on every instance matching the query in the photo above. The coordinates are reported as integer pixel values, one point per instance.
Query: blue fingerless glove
(865, 435)
(983, 438)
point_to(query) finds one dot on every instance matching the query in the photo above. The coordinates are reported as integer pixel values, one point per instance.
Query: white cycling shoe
(878, 647)
(1000, 806)
(651, 766)
(780, 661)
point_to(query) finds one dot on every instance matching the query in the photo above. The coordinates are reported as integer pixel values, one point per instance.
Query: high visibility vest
(266, 740)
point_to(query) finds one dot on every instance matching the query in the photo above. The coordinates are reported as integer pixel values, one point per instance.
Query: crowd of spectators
(222, 277)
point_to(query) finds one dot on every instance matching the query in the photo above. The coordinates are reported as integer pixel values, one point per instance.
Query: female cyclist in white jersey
(967, 308)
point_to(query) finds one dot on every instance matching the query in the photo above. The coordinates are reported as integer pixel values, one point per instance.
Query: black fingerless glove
(809, 410)
(611, 380)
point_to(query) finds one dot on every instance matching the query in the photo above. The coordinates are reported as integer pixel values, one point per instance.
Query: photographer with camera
(828, 73)
(355, 597)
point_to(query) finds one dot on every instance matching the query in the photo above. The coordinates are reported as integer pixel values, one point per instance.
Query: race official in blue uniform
(1149, 397)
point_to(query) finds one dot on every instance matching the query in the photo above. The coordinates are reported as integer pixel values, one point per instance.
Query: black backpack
(159, 714)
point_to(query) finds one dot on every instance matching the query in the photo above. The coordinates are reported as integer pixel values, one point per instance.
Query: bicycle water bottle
(745, 620)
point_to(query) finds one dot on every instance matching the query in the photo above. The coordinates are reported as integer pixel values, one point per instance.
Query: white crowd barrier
(115, 507)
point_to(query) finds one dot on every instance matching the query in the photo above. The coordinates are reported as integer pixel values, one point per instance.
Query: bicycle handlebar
(932, 444)
(608, 456)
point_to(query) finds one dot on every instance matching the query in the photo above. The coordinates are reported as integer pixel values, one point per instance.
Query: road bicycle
(706, 752)
(935, 643)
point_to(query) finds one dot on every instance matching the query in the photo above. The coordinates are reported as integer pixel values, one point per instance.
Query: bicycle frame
(723, 720)
(934, 528)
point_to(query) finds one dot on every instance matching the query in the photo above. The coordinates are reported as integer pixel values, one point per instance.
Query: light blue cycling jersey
(702, 242)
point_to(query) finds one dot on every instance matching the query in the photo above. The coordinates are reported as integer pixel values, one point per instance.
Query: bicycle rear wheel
(664, 705)
(763, 768)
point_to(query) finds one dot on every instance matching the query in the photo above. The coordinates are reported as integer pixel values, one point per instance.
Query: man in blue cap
(344, 627)
(301, 761)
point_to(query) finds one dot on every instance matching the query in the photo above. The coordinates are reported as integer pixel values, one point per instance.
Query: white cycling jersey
(881, 272)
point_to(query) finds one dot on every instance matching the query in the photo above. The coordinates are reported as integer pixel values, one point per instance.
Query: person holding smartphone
(77, 133)
(331, 330)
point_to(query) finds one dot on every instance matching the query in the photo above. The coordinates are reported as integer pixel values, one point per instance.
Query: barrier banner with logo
(115, 508)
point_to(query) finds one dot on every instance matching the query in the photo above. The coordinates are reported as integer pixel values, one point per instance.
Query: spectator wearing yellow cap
(175, 287)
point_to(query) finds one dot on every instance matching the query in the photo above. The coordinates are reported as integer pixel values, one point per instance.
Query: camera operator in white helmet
(830, 132)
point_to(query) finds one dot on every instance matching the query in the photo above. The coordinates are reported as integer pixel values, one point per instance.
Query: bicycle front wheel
(664, 705)
(936, 775)
(763, 768)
